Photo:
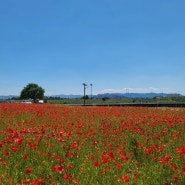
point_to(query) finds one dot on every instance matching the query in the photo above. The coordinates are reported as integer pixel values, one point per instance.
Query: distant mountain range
(69, 96)
(120, 95)
(2, 97)
(135, 95)
(108, 95)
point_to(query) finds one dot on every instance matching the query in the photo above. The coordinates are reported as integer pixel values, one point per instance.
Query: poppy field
(77, 145)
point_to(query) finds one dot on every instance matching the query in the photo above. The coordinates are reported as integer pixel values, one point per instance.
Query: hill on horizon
(108, 95)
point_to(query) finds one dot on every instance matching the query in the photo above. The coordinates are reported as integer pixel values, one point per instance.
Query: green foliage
(178, 98)
(86, 97)
(32, 91)
(105, 98)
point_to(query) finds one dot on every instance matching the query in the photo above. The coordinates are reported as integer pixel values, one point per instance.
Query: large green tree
(32, 91)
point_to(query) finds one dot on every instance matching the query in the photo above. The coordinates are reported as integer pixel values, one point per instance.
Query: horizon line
(76, 94)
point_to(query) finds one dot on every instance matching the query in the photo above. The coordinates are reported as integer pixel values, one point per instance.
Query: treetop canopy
(32, 91)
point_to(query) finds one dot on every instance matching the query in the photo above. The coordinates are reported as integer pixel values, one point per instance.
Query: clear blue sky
(114, 44)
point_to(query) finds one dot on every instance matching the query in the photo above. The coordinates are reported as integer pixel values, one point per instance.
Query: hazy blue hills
(134, 95)
(8, 97)
(107, 95)
(118, 95)
(70, 96)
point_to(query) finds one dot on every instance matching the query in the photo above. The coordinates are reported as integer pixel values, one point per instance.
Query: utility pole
(85, 85)
(127, 92)
(91, 91)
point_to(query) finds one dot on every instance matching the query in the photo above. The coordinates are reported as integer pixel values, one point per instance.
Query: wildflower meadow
(78, 145)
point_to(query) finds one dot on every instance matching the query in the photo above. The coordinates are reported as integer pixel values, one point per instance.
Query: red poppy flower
(25, 156)
(67, 176)
(183, 171)
(26, 181)
(175, 178)
(59, 169)
(181, 150)
(96, 163)
(18, 140)
(29, 170)
(126, 178)
(166, 159)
